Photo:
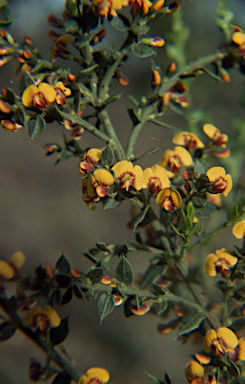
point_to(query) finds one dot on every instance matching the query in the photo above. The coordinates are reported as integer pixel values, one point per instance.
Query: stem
(106, 122)
(89, 127)
(209, 235)
(165, 87)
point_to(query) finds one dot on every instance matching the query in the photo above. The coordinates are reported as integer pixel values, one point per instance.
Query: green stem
(165, 87)
(108, 127)
(90, 128)
(208, 236)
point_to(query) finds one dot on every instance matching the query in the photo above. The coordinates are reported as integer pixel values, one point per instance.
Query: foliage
(184, 187)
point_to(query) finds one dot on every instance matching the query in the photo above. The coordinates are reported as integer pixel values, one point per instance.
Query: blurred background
(43, 215)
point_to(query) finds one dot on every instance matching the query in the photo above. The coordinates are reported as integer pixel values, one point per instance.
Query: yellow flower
(222, 263)
(155, 179)
(194, 371)
(105, 7)
(38, 97)
(218, 138)
(240, 351)
(169, 199)
(91, 157)
(239, 230)
(239, 39)
(220, 341)
(221, 183)
(41, 319)
(9, 269)
(188, 140)
(129, 175)
(99, 181)
(174, 159)
(140, 6)
(61, 93)
(95, 375)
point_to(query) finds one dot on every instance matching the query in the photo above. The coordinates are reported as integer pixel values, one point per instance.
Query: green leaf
(54, 111)
(143, 29)
(55, 299)
(191, 210)
(64, 155)
(58, 335)
(193, 323)
(139, 218)
(118, 24)
(152, 273)
(20, 116)
(63, 265)
(167, 378)
(232, 214)
(159, 308)
(107, 156)
(106, 305)
(36, 127)
(142, 50)
(7, 329)
(77, 291)
(71, 26)
(199, 168)
(155, 379)
(185, 223)
(67, 296)
(233, 369)
(10, 96)
(124, 272)
(26, 80)
(109, 202)
(63, 280)
(95, 275)
(133, 116)
(208, 210)
(87, 37)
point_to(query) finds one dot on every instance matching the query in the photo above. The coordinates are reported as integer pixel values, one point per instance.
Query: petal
(122, 167)
(7, 272)
(210, 264)
(227, 258)
(48, 92)
(29, 318)
(228, 337)
(194, 371)
(215, 173)
(184, 155)
(239, 230)
(103, 177)
(93, 155)
(138, 177)
(99, 373)
(176, 198)
(17, 260)
(211, 131)
(27, 97)
(209, 339)
(188, 139)
(238, 38)
(52, 315)
(241, 350)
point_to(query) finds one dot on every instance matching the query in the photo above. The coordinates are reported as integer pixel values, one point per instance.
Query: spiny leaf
(192, 324)
(36, 126)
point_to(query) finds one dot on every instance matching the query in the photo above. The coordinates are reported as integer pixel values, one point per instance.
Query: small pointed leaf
(106, 305)
(124, 272)
(58, 335)
(192, 324)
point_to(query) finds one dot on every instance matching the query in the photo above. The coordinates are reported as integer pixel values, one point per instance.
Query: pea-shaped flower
(220, 341)
(217, 138)
(155, 179)
(39, 97)
(169, 199)
(221, 262)
(41, 319)
(175, 159)
(188, 140)
(100, 181)
(129, 175)
(95, 375)
(220, 181)
(194, 372)
(91, 157)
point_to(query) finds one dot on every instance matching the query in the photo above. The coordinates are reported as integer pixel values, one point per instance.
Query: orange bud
(26, 54)
(50, 273)
(156, 78)
(71, 77)
(8, 125)
(157, 5)
(5, 107)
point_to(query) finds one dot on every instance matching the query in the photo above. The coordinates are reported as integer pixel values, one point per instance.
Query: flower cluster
(178, 165)
(223, 351)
